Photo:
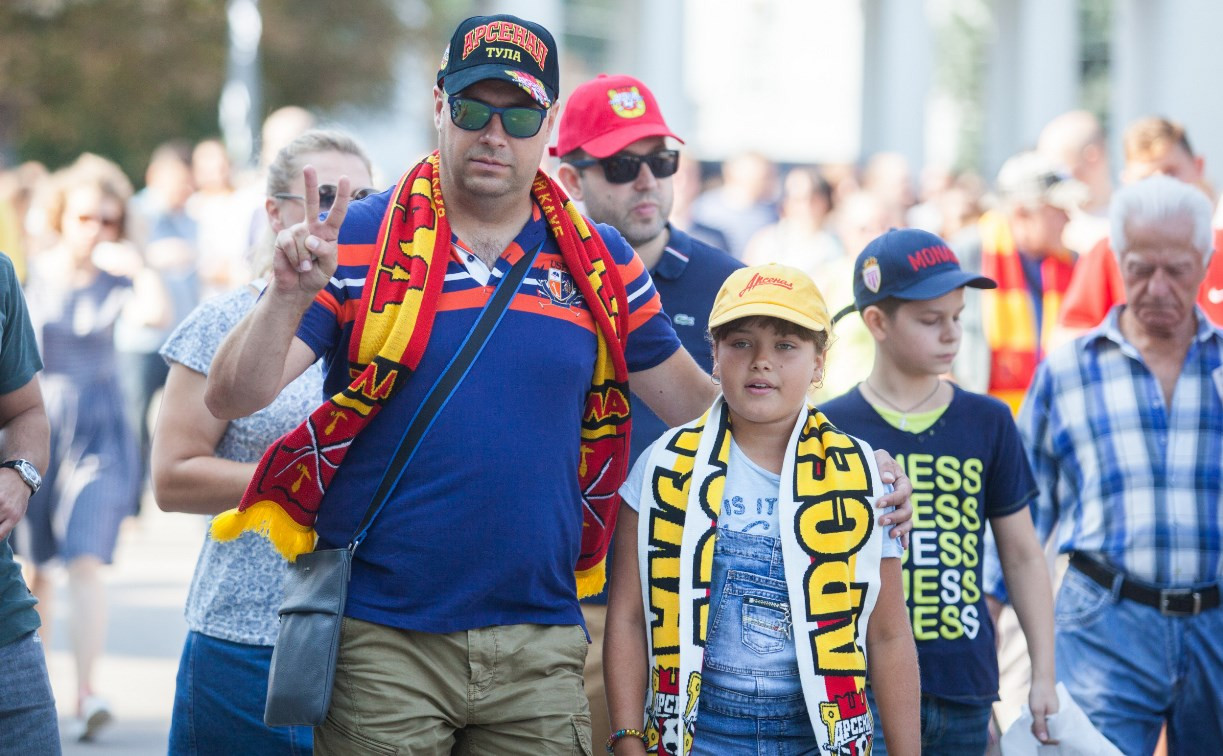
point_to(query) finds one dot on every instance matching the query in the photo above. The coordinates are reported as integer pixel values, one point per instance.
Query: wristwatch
(28, 472)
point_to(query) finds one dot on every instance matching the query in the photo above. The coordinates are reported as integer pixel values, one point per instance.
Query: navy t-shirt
(966, 468)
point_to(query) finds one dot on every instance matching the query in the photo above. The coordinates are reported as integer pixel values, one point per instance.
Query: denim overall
(751, 699)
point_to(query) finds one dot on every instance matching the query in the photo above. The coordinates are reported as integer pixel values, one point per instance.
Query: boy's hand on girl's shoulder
(1042, 701)
(901, 518)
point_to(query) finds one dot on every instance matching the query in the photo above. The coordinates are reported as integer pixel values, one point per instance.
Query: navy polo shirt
(687, 277)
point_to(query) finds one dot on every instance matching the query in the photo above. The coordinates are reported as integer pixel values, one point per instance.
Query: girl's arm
(893, 664)
(625, 659)
(1027, 579)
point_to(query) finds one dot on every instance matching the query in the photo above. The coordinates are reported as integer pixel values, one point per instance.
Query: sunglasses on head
(623, 169)
(473, 115)
(326, 195)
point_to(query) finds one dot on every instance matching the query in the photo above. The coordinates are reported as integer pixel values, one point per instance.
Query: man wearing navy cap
(612, 141)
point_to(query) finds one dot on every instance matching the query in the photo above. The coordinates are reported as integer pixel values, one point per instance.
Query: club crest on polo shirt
(560, 287)
(531, 85)
(872, 276)
(626, 102)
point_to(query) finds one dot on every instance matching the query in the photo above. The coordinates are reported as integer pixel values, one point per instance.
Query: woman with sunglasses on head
(77, 289)
(202, 465)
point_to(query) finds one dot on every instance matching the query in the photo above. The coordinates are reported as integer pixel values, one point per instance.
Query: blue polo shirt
(485, 526)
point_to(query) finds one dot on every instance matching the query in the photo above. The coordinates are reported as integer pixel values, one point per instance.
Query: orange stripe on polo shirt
(632, 270)
(644, 312)
(326, 299)
(355, 254)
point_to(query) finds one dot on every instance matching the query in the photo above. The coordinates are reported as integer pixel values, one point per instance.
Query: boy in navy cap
(964, 456)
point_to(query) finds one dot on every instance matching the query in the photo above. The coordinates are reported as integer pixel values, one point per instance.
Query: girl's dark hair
(780, 326)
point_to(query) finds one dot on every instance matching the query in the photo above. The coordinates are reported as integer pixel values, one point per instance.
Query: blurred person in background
(743, 204)
(1152, 145)
(202, 465)
(687, 186)
(860, 218)
(800, 238)
(77, 291)
(220, 218)
(887, 175)
(612, 141)
(17, 188)
(1007, 331)
(168, 238)
(1077, 143)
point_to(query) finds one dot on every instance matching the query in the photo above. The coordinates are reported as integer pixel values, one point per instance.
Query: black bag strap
(441, 391)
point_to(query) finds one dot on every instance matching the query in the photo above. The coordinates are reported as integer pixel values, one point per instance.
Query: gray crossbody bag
(316, 588)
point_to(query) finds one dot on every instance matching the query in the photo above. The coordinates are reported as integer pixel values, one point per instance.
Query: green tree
(118, 77)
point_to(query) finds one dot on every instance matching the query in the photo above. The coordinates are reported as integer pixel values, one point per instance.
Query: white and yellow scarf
(830, 556)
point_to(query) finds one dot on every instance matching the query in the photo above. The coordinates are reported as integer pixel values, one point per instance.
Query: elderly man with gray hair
(1124, 428)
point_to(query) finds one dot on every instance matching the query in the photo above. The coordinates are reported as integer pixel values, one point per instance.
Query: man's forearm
(248, 370)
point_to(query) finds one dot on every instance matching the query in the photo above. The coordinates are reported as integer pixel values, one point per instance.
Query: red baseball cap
(607, 114)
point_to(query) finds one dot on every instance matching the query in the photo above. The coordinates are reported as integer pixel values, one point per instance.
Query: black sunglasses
(326, 195)
(623, 169)
(473, 115)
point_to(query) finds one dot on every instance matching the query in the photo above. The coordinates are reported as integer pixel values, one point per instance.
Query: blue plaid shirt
(1120, 473)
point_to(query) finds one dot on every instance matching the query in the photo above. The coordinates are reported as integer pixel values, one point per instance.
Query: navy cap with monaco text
(502, 47)
(908, 263)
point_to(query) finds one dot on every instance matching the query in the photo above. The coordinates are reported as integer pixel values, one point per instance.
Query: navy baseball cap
(908, 263)
(502, 47)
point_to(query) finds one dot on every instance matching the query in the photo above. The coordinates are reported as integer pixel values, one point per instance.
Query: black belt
(1171, 602)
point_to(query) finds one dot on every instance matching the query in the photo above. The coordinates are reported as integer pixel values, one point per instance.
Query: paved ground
(147, 587)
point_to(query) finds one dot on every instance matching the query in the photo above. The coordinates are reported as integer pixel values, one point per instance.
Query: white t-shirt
(749, 498)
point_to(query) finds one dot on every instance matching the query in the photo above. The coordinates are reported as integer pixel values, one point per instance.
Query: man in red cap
(612, 142)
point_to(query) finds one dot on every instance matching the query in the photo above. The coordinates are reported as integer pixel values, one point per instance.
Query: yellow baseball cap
(774, 290)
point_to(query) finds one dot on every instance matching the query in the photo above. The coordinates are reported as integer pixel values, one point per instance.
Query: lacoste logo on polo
(626, 102)
(684, 319)
(759, 280)
(872, 276)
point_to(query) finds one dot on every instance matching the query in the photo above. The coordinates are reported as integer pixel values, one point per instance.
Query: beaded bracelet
(615, 738)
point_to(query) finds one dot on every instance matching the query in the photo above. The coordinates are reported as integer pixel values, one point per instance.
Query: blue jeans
(947, 727)
(28, 724)
(1131, 668)
(219, 699)
(751, 695)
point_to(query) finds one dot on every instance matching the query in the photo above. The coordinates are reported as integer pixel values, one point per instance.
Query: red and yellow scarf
(1009, 316)
(389, 337)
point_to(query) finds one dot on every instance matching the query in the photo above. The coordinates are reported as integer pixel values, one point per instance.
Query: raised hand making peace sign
(305, 256)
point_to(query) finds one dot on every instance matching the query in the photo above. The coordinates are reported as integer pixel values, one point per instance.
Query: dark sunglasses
(326, 196)
(623, 169)
(473, 115)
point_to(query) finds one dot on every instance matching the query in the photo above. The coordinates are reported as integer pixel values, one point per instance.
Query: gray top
(238, 585)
